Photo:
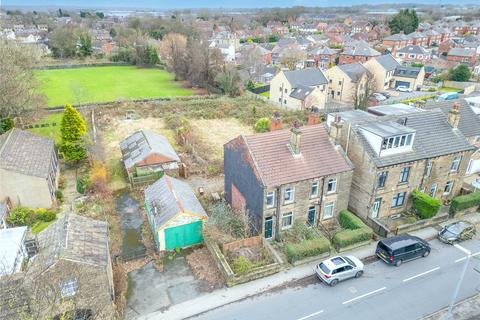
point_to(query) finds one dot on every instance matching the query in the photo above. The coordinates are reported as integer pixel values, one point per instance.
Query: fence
(259, 90)
(139, 253)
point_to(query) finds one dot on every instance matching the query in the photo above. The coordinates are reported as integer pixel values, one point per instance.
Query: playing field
(103, 84)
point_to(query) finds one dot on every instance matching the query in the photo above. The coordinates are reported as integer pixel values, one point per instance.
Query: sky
(163, 4)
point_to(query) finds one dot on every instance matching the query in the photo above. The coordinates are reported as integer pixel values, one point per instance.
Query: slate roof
(26, 153)
(387, 61)
(413, 49)
(171, 196)
(307, 77)
(407, 72)
(276, 164)
(353, 70)
(461, 52)
(144, 143)
(301, 92)
(360, 48)
(434, 137)
(396, 37)
(75, 238)
(469, 123)
(14, 302)
(324, 51)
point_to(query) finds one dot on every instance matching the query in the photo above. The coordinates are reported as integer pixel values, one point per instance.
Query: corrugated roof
(144, 143)
(277, 165)
(307, 77)
(171, 196)
(24, 152)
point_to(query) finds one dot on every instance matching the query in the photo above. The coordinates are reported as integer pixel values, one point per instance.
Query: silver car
(339, 268)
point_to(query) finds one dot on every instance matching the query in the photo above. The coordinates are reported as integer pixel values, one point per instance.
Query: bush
(21, 216)
(241, 265)
(305, 249)
(350, 221)
(425, 206)
(45, 215)
(59, 196)
(82, 185)
(262, 125)
(348, 237)
(464, 202)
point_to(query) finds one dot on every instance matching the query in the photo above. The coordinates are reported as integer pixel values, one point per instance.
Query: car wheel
(358, 274)
(398, 263)
(334, 283)
(426, 253)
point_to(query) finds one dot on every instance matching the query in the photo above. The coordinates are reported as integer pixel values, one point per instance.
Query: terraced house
(284, 176)
(393, 155)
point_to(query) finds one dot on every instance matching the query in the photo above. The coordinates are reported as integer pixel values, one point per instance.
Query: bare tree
(290, 57)
(173, 50)
(364, 89)
(19, 91)
(251, 59)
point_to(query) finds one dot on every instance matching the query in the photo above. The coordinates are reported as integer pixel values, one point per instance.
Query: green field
(104, 84)
(51, 131)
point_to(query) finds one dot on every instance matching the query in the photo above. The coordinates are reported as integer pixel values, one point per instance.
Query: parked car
(379, 96)
(404, 89)
(448, 96)
(339, 268)
(457, 231)
(386, 94)
(396, 250)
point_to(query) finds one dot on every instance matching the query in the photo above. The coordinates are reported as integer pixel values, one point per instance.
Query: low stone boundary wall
(354, 246)
(83, 65)
(247, 242)
(404, 228)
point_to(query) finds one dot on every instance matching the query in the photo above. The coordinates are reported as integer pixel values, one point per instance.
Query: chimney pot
(295, 138)
(454, 115)
(276, 122)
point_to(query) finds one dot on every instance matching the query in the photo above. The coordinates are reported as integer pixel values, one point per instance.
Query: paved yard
(151, 290)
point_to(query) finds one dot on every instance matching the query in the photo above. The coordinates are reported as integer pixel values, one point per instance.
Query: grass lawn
(103, 84)
(447, 89)
(265, 94)
(40, 226)
(52, 132)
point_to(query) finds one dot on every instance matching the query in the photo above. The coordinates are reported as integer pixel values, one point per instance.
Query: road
(415, 289)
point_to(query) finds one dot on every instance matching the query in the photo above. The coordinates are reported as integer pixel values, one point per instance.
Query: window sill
(402, 183)
(289, 202)
(286, 228)
(397, 207)
(327, 218)
(330, 193)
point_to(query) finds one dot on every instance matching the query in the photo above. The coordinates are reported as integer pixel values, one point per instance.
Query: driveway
(150, 290)
(413, 290)
(397, 96)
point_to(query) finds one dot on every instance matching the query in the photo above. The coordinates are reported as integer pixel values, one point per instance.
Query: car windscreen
(350, 261)
(324, 268)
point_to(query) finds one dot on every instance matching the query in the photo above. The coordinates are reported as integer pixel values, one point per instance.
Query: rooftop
(307, 77)
(11, 245)
(393, 109)
(407, 72)
(387, 61)
(353, 70)
(461, 52)
(386, 129)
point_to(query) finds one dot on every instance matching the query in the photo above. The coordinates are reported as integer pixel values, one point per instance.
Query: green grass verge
(447, 89)
(40, 226)
(265, 94)
(51, 132)
(103, 84)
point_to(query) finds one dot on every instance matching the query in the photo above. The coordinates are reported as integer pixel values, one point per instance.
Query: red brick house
(462, 55)
(358, 52)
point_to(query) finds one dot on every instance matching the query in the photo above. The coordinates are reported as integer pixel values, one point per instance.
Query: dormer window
(398, 141)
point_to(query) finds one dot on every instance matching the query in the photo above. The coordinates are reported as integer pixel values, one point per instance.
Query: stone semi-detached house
(284, 176)
(382, 67)
(411, 77)
(393, 155)
(347, 81)
(299, 89)
(28, 169)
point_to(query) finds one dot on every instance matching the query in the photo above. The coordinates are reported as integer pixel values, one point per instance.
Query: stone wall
(247, 242)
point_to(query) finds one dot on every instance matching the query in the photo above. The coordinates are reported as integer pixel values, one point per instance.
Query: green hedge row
(464, 202)
(306, 248)
(425, 206)
(355, 230)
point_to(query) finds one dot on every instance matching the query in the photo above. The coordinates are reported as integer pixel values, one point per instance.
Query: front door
(268, 227)
(376, 208)
(311, 216)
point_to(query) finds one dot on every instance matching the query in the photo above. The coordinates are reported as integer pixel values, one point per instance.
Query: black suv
(396, 250)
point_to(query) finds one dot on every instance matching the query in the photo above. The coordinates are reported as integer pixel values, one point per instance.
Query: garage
(183, 236)
(402, 83)
(175, 215)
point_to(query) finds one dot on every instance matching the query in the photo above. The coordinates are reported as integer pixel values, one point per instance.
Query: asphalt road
(415, 289)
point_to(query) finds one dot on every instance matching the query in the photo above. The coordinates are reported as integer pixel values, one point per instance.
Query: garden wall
(404, 228)
(247, 242)
(467, 87)
(83, 65)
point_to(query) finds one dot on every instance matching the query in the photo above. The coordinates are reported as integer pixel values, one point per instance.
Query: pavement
(228, 296)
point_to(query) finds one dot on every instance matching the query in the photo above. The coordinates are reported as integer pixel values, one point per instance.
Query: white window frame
(69, 288)
(333, 182)
(272, 194)
(286, 216)
(291, 199)
(328, 205)
(397, 196)
(448, 187)
(455, 164)
(314, 185)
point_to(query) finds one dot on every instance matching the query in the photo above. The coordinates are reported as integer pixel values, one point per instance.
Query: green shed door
(183, 236)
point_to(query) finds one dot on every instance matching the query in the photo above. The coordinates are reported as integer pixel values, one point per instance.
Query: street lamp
(459, 284)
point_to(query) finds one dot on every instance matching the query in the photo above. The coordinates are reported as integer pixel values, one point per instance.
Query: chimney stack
(276, 122)
(313, 116)
(295, 138)
(336, 129)
(454, 115)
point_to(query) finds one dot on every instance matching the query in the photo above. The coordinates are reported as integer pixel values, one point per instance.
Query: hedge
(425, 206)
(306, 248)
(464, 202)
(355, 230)
(349, 237)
